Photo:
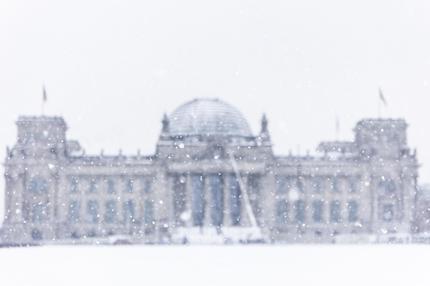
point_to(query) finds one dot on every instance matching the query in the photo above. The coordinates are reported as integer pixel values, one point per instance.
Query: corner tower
(31, 176)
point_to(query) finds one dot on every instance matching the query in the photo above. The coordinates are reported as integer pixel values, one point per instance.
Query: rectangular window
(38, 186)
(317, 214)
(299, 207)
(281, 184)
(281, 212)
(148, 215)
(111, 186)
(74, 210)
(387, 186)
(129, 186)
(353, 185)
(317, 185)
(388, 212)
(299, 184)
(93, 211)
(38, 212)
(93, 185)
(74, 185)
(129, 209)
(254, 183)
(284, 184)
(352, 211)
(147, 185)
(111, 212)
(335, 183)
(335, 212)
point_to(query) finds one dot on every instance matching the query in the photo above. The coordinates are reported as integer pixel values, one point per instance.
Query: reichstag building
(210, 180)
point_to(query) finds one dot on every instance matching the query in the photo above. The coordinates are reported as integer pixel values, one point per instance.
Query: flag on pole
(382, 97)
(45, 96)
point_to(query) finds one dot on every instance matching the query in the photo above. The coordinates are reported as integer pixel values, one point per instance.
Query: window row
(287, 212)
(110, 185)
(109, 212)
(317, 184)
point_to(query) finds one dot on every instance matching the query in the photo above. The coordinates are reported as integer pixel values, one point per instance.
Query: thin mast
(44, 99)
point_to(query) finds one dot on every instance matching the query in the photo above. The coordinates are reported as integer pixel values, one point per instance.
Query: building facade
(210, 176)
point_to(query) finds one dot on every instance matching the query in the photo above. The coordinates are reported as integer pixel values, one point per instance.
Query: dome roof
(208, 117)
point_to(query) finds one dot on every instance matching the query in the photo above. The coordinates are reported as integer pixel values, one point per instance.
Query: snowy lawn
(217, 265)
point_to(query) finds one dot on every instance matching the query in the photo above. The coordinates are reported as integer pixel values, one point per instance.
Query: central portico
(213, 167)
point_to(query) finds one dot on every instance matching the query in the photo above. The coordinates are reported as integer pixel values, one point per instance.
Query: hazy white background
(111, 68)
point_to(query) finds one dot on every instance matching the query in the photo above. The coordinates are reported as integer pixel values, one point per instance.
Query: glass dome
(208, 117)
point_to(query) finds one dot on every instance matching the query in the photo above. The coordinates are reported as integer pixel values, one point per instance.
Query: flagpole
(44, 99)
(381, 101)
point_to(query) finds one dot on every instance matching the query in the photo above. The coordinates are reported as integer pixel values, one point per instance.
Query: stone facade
(208, 172)
(422, 222)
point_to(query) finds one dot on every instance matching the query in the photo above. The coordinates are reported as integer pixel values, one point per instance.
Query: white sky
(111, 68)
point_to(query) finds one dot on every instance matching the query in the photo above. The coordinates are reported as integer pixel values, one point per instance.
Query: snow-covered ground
(217, 265)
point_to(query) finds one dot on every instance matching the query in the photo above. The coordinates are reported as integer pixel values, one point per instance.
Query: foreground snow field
(216, 265)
